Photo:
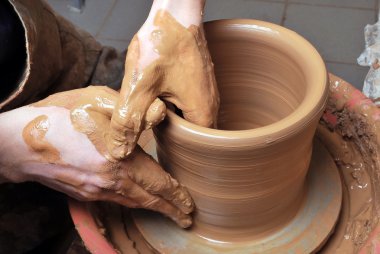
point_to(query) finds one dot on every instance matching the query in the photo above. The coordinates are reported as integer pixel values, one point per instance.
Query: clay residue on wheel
(349, 129)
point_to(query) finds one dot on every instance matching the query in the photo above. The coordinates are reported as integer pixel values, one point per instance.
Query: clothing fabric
(59, 57)
(54, 56)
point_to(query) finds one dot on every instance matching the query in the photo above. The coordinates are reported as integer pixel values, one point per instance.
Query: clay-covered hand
(60, 143)
(168, 58)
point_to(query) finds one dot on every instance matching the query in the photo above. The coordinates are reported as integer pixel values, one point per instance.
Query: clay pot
(338, 131)
(248, 177)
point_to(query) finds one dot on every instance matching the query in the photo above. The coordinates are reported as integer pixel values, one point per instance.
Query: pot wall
(248, 178)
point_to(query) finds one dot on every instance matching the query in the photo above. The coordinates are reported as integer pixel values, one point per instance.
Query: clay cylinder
(248, 177)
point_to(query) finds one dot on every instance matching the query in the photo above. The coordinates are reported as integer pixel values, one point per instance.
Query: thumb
(156, 113)
(136, 96)
(127, 123)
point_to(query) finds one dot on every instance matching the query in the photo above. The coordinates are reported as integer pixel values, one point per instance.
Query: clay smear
(349, 128)
(182, 74)
(137, 182)
(90, 114)
(34, 136)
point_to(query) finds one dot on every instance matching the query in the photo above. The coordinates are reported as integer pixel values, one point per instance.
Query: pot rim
(309, 109)
(90, 232)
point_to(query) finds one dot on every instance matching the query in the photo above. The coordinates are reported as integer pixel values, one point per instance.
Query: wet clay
(87, 112)
(138, 181)
(182, 74)
(90, 113)
(122, 231)
(34, 136)
(349, 128)
(244, 179)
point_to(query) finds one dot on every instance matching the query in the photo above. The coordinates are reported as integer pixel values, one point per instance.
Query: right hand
(165, 60)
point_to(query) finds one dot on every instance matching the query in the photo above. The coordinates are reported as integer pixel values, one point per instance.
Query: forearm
(186, 12)
(12, 147)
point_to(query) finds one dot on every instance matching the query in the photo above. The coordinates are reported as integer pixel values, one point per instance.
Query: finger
(125, 129)
(88, 192)
(70, 190)
(82, 195)
(148, 174)
(156, 113)
(200, 108)
(202, 112)
(119, 199)
(200, 117)
(156, 203)
(137, 95)
(102, 99)
(199, 97)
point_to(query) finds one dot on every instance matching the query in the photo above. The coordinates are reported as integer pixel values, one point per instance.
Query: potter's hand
(167, 59)
(59, 142)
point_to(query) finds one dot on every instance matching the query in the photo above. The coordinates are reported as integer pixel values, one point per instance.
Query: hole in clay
(259, 84)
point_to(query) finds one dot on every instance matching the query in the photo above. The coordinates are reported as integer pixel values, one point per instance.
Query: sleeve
(57, 56)
(12, 50)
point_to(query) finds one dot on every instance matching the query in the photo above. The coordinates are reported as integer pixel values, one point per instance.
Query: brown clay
(248, 178)
(138, 181)
(178, 76)
(90, 114)
(34, 136)
(349, 130)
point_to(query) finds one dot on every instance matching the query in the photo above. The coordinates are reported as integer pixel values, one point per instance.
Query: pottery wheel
(305, 233)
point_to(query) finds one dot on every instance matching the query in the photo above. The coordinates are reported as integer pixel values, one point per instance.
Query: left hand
(59, 142)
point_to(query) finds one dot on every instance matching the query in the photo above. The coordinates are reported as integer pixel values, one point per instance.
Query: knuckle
(91, 192)
(125, 124)
(166, 184)
(121, 123)
(108, 183)
(155, 187)
(86, 196)
(153, 203)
